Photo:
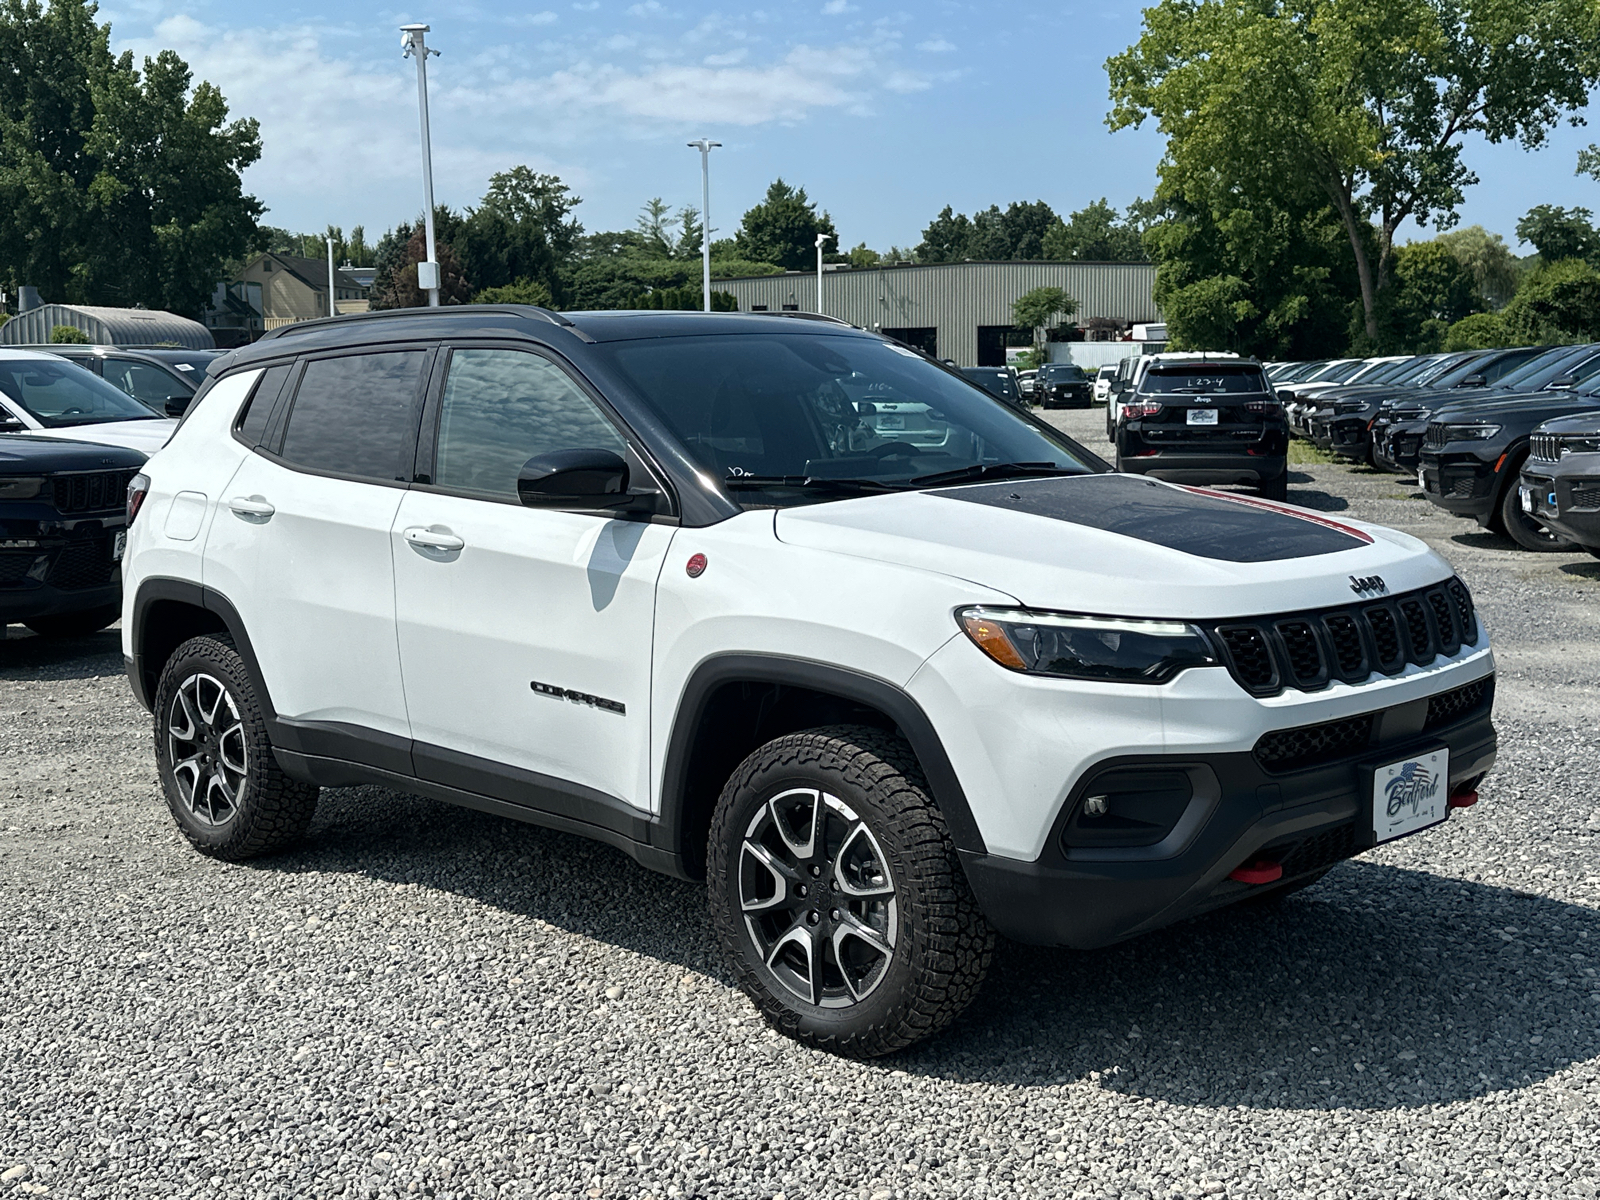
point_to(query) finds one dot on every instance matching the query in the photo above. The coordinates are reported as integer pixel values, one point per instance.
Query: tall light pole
(821, 239)
(705, 146)
(414, 46)
(333, 308)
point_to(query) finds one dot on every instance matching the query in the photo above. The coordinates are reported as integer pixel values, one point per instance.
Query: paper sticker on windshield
(184, 366)
(902, 350)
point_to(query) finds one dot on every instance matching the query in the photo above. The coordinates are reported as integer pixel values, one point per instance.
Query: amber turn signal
(992, 640)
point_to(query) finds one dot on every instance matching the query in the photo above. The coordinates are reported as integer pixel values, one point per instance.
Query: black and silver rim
(205, 744)
(817, 898)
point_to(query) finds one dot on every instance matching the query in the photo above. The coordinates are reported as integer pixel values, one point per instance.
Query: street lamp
(821, 238)
(413, 45)
(705, 147)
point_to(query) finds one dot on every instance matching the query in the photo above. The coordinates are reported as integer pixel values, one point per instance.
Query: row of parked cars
(1509, 437)
(76, 424)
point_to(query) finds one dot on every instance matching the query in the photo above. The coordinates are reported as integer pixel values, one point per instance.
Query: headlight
(1589, 444)
(1470, 433)
(1081, 647)
(20, 487)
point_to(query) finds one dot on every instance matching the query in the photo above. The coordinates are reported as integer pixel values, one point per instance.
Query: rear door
(145, 382)
(301, 549)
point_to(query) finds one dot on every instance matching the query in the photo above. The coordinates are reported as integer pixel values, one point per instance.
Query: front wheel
(837, 896)
(1523, 529)
(223, 784)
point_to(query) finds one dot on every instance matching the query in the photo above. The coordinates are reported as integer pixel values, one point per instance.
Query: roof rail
(510, 310)
(806, 316)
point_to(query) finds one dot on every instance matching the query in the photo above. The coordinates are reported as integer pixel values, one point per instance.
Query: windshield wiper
(1010, 470)
(811, 482)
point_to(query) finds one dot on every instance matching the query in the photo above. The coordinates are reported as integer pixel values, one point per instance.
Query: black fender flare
(143, 676)
(889, 699)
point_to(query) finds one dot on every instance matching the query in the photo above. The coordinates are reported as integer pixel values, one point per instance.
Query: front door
(525, 634)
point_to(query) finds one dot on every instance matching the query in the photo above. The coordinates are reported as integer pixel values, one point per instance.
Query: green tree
(68, 335)
(990, 235)
(523, 228)
(1494, 269)
(1557, 302)
(1558, 233)
(1367, 100)
(1431, 292)
(400, 250)
(1480, 331)
(783, 229)
(1038, 308)
(118, 186)
(860, 256)
(523, 291)
(1096, 233)
(1589, 162)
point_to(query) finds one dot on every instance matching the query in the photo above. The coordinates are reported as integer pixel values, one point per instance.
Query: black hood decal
(1208, 524)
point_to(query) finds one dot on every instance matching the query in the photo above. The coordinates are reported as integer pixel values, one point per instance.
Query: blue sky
(883, 113)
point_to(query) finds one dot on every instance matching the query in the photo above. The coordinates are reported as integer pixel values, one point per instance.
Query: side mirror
(176, 406)
(1285, 396)
(1473, 381)
(1566, 381)
(564, 478)
(10, 424)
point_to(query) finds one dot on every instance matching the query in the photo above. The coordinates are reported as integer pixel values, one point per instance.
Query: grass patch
(1307, 452)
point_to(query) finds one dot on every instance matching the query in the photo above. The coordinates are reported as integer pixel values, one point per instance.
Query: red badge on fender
(696, 566)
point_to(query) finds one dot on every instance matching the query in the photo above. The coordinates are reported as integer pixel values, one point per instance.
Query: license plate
(1527, 499)
(1202, 416)
(891, 422)
(118, 545)
(1410, 795)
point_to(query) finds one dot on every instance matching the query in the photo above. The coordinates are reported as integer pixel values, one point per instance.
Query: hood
(1520, 408)
(1120, 545)
(25, 454)
(144, 436)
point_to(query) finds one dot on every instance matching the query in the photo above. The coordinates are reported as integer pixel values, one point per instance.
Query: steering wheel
(73, 412)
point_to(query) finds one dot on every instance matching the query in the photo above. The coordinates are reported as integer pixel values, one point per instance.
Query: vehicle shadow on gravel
(1379, 988)
(1583, 570)
(24, 656)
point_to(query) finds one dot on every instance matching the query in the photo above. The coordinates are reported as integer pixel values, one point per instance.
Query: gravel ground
(428, 1001)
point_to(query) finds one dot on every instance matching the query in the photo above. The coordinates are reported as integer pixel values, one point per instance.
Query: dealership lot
(425, 1000)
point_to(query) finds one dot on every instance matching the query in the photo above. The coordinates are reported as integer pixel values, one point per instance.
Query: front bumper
(1348, 436)
(1240, 810)
(1566, 502)
(1463, 484)
(52, 568)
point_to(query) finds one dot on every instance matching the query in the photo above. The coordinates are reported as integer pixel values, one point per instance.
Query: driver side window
(501, 408)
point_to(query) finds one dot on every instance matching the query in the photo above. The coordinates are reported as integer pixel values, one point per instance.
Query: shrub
(68, 335)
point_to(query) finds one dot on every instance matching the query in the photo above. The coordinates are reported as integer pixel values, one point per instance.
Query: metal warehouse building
(960, 311)
(107, 327)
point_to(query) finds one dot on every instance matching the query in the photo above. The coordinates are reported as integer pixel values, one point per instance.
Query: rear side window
(252, 422)
(354, 415)
(503, 407)
(143, 382)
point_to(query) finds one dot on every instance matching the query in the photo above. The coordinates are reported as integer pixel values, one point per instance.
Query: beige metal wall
(954, 298)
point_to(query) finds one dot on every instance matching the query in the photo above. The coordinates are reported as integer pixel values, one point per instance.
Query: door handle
(250, 508)
(433, 539)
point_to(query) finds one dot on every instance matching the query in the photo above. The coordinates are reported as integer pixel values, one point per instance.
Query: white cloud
(587, 5)
(732, 58)
(936, 46)
(538, 18)
(834, 8)
(650, 8)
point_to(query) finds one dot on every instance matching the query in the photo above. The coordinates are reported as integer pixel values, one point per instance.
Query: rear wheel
(75, 624)
(222, 782)
(1275, 489)
(837, 896)
(1523, 529)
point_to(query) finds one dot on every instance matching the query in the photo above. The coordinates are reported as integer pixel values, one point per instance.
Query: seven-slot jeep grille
(1307, 650)
(90, 491)
(1546, 447)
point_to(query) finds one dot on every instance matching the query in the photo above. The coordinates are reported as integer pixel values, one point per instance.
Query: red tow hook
(1463, 799)
(1260, 871)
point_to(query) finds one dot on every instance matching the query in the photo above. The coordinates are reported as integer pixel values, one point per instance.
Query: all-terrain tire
(1275, 489)
(941, 943)
(75, 624)
(257, 809)
(1523, 529)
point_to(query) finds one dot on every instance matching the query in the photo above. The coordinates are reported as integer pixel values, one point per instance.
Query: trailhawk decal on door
(1217, 525)
(561, 693)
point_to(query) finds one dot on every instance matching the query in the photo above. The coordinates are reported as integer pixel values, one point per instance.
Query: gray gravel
(428, 1001)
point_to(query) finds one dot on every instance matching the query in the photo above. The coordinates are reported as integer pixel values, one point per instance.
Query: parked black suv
(1205, 421)
(1000, 382)
(1561, 479)
(62, 532)
(1064, 385)
(165, 380)
(1473, 454)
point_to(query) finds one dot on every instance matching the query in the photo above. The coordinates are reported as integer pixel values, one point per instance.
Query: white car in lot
(43, 394)
(781, 605)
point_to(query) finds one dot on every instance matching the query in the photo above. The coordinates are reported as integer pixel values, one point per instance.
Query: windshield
(62, 394)
(1062, 373)
(780, 414)
(1378, 372)
(1203, 379)
(1539, 371)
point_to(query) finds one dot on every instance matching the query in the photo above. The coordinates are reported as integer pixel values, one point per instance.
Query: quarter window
(503, 407)
(252, 423)
(353, 416)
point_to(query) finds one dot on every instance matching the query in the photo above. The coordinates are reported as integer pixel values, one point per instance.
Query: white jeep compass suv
(783, 605)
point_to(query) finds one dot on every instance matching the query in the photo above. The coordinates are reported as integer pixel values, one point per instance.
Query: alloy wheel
(817, 898)
(206, 746)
